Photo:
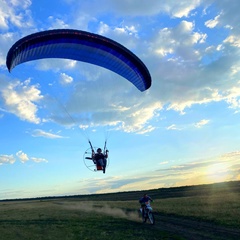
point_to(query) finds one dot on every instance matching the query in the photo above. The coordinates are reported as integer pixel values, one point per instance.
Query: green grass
(69, 220)
(96, 218)
(223, 209)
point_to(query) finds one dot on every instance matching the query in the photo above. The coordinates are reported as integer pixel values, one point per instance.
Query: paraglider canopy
(81, 46)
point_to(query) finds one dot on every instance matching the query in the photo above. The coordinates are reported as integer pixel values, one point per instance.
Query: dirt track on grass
(193, 229)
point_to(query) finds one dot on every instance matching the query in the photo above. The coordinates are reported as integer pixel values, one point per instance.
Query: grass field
(96, 217)
(52, 219)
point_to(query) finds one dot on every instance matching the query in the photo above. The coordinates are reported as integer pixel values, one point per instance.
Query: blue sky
(184, 130)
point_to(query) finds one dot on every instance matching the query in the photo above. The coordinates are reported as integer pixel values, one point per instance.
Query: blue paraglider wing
(81, 46)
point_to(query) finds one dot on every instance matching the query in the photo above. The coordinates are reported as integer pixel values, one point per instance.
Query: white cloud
(137, 118)
(111, 102)
(229, 16)
(234, 40)
(201, 123)
(22, 156)
(15, 12)
(103, 28)
(174, 57)
(212, 23)
(38, 160)
(176, 53)
(41, 133)
(5, 40)
(57, 65)
(57, 23)
(180, 79)
(178, 42)
(65, 79)
(173, 8)
(7, 159)
(20, 99)
(173, 127)
(21, 3)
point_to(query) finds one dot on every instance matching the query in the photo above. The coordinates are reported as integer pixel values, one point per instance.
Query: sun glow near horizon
(218, 172)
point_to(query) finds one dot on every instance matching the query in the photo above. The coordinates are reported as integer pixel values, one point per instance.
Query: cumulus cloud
(178, 42)
(227, 11)
(15, 13)
(175, 55)
(7, 159)
(88, 106)
(57, 23)
(173, 8)
(65, 79)
(185, 80)
(20, 98)
(212, 22)
(233, 40)
(22, 156)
